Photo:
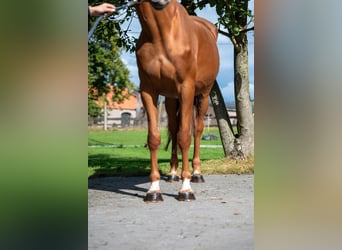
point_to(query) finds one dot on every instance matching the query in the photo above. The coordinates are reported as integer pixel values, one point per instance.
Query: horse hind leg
(201, 107)
(171, 106)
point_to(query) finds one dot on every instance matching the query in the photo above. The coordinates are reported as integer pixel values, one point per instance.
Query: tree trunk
(243, 146)
(245, 141)
(223, 121)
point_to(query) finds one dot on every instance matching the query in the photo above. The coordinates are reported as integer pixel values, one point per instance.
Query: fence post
(105, 115)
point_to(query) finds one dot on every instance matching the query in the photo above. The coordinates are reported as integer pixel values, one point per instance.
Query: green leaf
(236, 31)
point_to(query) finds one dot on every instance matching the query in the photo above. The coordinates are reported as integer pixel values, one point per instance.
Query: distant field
(124, 153)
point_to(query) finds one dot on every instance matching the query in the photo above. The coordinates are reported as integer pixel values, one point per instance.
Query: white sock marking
(186, 185)
(154, 186)
(196, 172)
(173, 172)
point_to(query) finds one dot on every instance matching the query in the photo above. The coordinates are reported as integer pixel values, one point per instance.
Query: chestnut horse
(177, 57)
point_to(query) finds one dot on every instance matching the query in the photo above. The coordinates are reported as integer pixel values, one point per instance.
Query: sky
(225, 77)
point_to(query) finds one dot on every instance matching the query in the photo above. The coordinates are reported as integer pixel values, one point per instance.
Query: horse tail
(192, 127)
(168, 142)
(169, 139)
(194, 115)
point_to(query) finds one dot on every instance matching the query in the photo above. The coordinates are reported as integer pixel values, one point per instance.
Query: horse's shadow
(127, 186)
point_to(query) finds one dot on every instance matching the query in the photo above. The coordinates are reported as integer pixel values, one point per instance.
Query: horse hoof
(186, 196)
(197, 178)
(153, 197)
(172, 178)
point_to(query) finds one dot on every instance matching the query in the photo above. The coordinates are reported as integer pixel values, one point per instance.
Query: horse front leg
(153, 141)
(201, 107)
(184, 140)
(171, 106)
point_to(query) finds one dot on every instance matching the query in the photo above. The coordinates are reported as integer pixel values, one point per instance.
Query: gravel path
(222, 217)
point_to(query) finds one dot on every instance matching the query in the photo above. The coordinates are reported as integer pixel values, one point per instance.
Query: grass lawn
(123, 153)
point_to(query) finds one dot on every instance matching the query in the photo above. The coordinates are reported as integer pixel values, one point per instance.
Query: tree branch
(231, 37)
(201, 4)
(250, 21)
(246, 30)
(224, 33)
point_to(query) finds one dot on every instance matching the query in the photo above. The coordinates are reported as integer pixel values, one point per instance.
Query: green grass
(136, 137)
(123, 153)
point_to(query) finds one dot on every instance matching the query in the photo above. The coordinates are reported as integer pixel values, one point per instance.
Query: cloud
(251, 90)
(130, 61)
(228, 92)
(226, 56)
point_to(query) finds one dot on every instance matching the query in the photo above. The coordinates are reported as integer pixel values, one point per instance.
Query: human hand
(103, 9)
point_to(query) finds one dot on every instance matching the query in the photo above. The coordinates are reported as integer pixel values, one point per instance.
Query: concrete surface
(222, 217)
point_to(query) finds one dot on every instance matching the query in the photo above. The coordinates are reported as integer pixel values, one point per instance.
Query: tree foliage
(234, 17)
(105, 67)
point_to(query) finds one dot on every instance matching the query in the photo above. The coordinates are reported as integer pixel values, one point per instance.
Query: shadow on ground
(128, 186)
(105, 165)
